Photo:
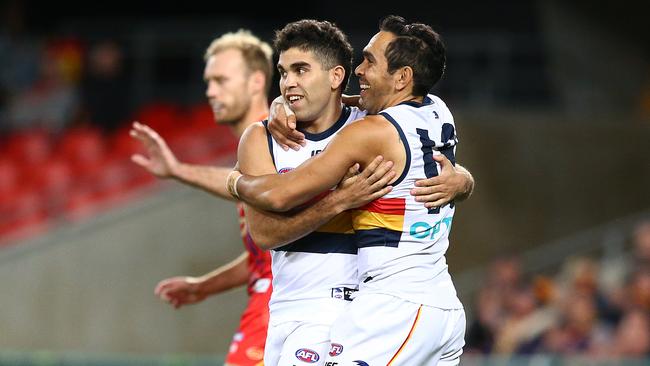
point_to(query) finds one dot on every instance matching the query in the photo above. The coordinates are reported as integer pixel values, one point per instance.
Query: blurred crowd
(60, 83)
(64, 143)
(592, 307)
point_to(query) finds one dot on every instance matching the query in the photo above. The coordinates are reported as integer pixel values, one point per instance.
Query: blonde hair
(258, 55)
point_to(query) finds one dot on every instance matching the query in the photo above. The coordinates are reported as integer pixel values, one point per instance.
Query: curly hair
(323, 38)
(417, 45)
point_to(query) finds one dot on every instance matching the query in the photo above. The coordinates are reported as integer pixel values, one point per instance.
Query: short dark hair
(417, 45)
(323, 38)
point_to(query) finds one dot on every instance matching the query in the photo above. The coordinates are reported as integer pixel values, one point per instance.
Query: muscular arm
(162, 162)
(358, 142)
(208, 178)
(226, 277)
(183, 290)
(269, 229)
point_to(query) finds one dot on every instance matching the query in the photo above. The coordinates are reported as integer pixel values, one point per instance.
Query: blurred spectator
(52, 101)
(632, 338)
(19, 56)
(105, 95)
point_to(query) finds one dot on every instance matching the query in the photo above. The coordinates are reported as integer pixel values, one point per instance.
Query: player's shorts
(381, 329)
(305, 342)
(297, 343)
(247, 347)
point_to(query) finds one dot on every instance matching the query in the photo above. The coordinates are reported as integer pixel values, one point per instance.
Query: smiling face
(228, 84)
(304, 83)
(376, 84)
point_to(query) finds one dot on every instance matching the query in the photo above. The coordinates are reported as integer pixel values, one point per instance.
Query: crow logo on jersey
(307, 355)
(361, 363)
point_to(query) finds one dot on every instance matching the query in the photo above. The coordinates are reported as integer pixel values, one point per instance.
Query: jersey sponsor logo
(331, 363)
(284, 170)
(421, 230)
(335, 349)
(307, 355)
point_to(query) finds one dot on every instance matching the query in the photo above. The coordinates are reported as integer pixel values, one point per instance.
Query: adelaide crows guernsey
(402, 244)
(312, 275)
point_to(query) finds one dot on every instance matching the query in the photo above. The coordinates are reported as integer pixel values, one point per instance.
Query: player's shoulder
(371, 126)
(253, 135)
(255, 130)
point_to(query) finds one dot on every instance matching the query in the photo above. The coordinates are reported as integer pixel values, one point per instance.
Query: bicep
(253, 155)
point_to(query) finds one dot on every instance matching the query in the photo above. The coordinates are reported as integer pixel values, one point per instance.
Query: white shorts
(382, 330)
(297, 343)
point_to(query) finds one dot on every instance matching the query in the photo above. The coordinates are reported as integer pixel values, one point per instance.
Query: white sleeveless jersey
(311, 275)
(402, 244)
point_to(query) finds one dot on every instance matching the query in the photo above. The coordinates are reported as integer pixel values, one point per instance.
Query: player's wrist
(231, 183)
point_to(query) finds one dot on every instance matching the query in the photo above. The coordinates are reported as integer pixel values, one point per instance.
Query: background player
(238, 74)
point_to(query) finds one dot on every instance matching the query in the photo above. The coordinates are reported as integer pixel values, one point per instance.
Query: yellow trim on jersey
(366, 220)
(341, 224)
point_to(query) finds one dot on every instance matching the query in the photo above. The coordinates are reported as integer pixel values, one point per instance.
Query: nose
(289, 80)
(211, 90)
(358, 71)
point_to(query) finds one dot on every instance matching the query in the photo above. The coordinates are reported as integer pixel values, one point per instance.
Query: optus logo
(421, 230)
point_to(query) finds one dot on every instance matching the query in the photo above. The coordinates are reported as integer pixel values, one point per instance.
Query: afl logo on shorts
(284, 170)
(307, 355)
(336, 349)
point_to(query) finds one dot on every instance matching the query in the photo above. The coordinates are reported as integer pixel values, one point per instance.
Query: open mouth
(294, 99)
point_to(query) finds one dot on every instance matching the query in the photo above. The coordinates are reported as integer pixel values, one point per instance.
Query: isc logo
(307, 355)
(422, 230)
(335, 349)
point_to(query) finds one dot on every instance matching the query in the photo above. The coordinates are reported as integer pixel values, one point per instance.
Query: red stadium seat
(29, 147)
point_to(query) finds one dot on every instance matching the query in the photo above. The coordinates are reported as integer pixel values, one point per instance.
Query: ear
(257, 82)
(403, 78)
(337, 76)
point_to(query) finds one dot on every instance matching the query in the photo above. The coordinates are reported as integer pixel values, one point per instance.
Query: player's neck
(326, 119)
(258, 111)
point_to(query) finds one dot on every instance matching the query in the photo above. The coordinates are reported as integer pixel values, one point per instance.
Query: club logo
(284, 170)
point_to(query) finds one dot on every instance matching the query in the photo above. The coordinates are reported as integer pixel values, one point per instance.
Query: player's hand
(440, 190)
(282, 125)
(161, 161)
(359, 188)
(179, 291)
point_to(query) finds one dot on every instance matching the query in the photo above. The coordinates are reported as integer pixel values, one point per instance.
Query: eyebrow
(296, 65)
(368, 55)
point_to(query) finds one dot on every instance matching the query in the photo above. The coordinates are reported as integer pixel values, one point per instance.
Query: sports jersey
(312, 274)
(402, 244)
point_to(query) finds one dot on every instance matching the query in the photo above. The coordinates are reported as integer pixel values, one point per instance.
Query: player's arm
(270, 230)
(358, 142)
(184, 290)
(453, 183)
(162, 162)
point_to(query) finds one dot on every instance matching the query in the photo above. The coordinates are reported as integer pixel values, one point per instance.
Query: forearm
(468, 187)
(226, 277)
(271, 230)
(208, 178)
(274, 192)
